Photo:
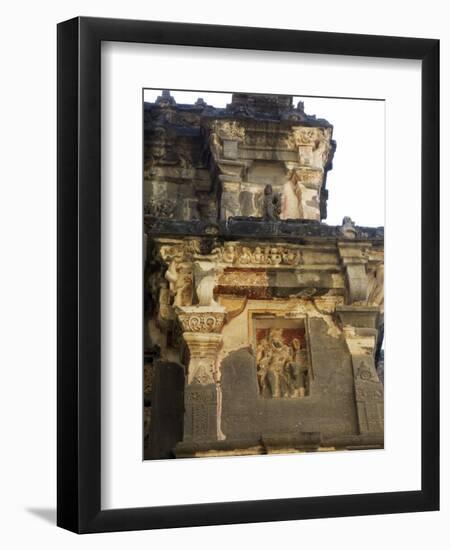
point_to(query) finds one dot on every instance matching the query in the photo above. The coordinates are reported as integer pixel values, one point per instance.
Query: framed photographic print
(247, 274)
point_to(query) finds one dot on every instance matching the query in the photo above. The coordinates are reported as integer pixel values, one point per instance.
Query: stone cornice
(284, 230)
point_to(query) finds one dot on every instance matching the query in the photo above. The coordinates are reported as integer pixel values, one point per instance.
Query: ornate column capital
(201, 319)
(201, 326)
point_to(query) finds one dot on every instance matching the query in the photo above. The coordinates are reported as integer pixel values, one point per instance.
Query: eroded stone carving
(313, 144)
(205, 280)
(219, 151)
(230, 130)
(260, 256)
(201, 366)
(281, 368)
(292, 198)
(244, 279)
(179, 276)
(164, 208)
(375, 294)
(348, 229)
(274, 326)
(196, 320)
(271, 204)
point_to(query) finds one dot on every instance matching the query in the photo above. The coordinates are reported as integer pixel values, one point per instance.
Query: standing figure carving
(179, 277)
(282, 369)
(271, 204)
(292, 198)
(298, 369)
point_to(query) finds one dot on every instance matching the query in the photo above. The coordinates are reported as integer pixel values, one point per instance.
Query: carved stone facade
(207, 163)
(272, 318)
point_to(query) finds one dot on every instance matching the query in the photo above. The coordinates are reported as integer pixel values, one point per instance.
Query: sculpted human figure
(280, 356)
(180, 282)
(292, 198)
(228, 253)
(258, 255)
(271, 204)
(282, 369)
(272, 356)
(297, 370)
(246, 255)
(275, 257)
(320, 154)
(291, 257)
(263, 357)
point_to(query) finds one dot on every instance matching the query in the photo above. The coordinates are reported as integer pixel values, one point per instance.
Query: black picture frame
(79, 280)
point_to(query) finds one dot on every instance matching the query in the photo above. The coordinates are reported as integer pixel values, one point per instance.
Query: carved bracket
(354, 259)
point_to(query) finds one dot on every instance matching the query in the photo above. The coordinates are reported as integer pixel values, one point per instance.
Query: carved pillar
(361, 342)
(201, 326)
(224, 139)
(314, 149)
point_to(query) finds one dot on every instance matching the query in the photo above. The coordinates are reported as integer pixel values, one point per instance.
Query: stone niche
(281, 354)
(263, 325)
(207, 163)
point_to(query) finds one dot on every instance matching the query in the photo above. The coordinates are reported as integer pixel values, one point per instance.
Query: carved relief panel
(282, 357)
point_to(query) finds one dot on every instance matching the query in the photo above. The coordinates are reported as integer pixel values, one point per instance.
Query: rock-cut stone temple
(263, 325)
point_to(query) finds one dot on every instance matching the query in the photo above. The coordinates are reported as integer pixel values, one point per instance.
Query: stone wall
(277, 338)
(262, 324)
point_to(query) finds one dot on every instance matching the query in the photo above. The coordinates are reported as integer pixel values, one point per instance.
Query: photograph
(235, 227)
(263, 261)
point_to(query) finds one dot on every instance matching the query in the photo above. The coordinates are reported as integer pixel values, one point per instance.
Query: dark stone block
(239, 394)
(248, 227)
(329, 408)
(166, 426)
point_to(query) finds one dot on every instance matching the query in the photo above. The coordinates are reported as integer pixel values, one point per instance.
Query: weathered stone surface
(262, 324)
(193, 149)
(239, 394)
(359, 316)
(238, 227)
(200, 418)
(328, 407)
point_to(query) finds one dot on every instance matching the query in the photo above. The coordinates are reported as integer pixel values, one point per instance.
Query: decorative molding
(193, 320)
(229, 130)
